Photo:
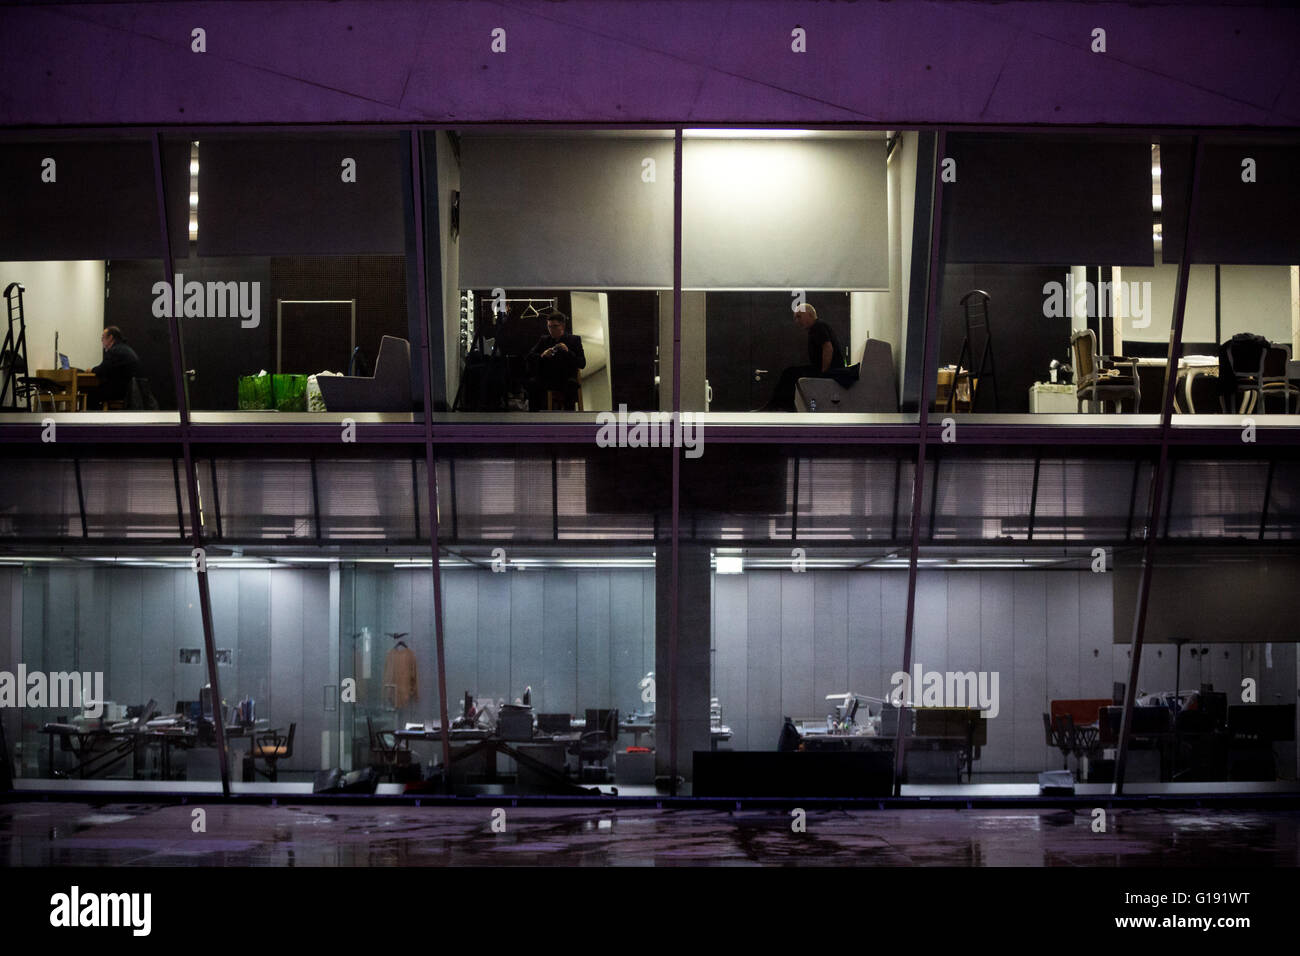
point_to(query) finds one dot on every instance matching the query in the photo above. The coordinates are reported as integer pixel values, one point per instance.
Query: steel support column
(191, 478)
(416, 194)
(1158, 476)
(929, 377)
(673, 696)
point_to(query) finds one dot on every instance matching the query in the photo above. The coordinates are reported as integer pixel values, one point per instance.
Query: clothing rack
(975, 311)
(492, 323)
(489, 306)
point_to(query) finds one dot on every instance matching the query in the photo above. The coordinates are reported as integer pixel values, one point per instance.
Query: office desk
(434, 732)
(473, 743)
(942, 733)
(82, 742)
(717, 735)
(75, 384)
(128, 742)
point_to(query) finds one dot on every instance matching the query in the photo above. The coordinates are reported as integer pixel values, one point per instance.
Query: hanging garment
(400, 672)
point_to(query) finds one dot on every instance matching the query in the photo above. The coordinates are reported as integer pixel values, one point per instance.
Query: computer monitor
(601, 719)
(553, 724)
(1271, 722)
(189, 709)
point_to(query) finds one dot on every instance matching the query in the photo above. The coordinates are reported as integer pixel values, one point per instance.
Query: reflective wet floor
(127, 834)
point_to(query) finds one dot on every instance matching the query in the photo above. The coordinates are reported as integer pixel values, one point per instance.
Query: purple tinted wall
(692, 61)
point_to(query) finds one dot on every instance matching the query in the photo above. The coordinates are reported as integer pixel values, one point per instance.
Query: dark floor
(132, 834)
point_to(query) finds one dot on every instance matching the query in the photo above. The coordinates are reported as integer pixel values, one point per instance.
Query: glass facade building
(462, 455)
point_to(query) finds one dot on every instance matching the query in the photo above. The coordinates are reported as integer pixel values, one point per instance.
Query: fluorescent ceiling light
(749, 133)
(729, 564)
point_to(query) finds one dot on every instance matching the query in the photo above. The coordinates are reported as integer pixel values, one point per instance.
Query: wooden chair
(272, 748)
(555, 399)
(1273, 381)
(55, 390)
(1241, 372)
(1094, 382)
(140, 397)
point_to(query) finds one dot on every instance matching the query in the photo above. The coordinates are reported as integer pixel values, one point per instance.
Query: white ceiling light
(730, 564)
(749, 133)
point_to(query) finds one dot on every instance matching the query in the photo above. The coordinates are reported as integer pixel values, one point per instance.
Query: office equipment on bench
(554, 724)
(515, 722)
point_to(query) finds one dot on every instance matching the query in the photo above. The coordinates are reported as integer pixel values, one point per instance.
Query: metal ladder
(14, 351)
(975, 309)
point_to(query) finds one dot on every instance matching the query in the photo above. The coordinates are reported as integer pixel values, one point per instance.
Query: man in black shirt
(553, 364)
(825, 357)
(120, 365)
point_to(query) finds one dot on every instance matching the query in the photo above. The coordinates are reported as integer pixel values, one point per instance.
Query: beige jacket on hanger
(400, 673)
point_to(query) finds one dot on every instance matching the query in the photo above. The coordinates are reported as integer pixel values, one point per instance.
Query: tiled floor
(132, 834)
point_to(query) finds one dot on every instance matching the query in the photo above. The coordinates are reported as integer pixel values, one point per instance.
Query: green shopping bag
(255, 392)
(290, 392)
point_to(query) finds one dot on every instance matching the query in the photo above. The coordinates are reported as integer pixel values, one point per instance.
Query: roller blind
(785, 214)
(566, 212)
(286, 195)
(101, 203)
(1035, 199)
(1237, 222)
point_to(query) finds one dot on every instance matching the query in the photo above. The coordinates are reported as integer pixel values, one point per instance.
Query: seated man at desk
(120, 365)
(553, 364)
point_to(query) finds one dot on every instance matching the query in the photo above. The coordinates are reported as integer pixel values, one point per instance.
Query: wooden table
(75, 384)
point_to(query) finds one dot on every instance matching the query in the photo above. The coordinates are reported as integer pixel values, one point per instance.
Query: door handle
(759, 373)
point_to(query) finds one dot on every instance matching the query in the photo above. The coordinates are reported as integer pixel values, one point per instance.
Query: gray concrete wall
(783, 641)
